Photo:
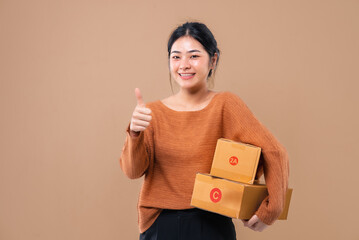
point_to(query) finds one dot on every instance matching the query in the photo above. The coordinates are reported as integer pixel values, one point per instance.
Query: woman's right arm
(136, 153)
(135, 158)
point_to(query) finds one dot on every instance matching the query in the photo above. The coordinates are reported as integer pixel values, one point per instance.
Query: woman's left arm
(241, 125)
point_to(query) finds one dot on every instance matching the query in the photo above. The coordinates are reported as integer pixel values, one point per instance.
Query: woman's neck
(193, 98)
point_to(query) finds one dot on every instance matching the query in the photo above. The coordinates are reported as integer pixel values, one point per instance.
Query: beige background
(67, 74)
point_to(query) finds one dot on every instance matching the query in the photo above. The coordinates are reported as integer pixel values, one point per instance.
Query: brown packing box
(230, 198)
(235, 161)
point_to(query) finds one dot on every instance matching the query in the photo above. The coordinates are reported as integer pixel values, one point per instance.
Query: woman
(171, 140)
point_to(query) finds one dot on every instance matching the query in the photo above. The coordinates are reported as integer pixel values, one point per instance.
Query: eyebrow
(190, 51)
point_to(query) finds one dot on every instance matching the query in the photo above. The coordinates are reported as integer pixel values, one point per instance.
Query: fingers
(138, 125)
(254, 219)
(139, 97)
(255, 224)
(140, 121)
(142, 113)
(245, 222)
(143, 110)
(259, 227)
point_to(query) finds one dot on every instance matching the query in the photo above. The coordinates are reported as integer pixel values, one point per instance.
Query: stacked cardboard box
(230, 188)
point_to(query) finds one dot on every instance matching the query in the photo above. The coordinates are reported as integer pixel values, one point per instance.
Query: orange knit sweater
(179, 144)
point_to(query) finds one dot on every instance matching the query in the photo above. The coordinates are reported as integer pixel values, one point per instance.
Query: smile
(186, 76)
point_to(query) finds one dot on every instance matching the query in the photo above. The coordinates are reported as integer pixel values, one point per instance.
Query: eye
(194, 56)
(175, 57)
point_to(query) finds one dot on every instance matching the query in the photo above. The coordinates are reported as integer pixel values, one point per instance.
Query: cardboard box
(230, 198)
(235, 161)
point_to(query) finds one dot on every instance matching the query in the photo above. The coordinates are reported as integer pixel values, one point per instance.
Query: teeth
(186, 74)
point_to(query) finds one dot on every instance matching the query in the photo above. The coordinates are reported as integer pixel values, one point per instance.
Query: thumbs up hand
(141, 116)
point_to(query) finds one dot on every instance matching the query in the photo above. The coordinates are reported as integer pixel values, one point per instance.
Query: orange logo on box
(233, 160)
(215, 195)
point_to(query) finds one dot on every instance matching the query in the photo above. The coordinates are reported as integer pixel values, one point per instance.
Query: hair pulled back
(201, 33)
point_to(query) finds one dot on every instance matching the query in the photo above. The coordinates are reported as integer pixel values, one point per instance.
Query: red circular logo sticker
(233, 160)
(215, 195)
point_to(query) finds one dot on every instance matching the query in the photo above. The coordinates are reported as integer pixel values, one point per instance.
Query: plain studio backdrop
(68, 70)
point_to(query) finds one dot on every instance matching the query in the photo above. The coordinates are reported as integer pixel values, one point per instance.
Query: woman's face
(190, 63)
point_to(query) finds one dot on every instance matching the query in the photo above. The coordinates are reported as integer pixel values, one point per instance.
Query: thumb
(139, 97)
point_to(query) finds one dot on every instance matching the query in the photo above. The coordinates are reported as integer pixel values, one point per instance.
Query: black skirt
(190, 224)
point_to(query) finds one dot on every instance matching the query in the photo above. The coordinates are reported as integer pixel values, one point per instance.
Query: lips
(186, 76)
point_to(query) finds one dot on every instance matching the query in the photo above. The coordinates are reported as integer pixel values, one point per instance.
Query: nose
(184, 64)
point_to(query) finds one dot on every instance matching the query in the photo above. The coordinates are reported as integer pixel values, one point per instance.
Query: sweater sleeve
(241, 125)
(137, 153)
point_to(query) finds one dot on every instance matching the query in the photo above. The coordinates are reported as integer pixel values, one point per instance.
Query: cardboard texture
(235, 161)
(230, 198)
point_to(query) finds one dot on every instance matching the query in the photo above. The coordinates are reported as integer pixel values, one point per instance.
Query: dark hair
(201, 33)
